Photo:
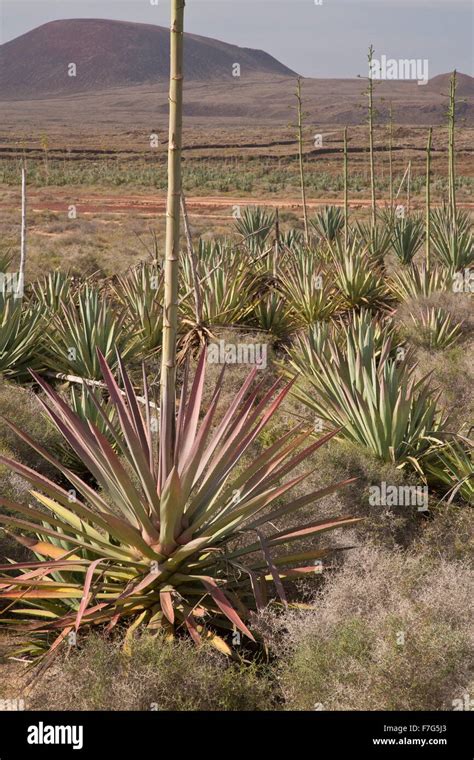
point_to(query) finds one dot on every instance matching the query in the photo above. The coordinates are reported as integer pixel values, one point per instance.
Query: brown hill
(110, 54)
(440, 84)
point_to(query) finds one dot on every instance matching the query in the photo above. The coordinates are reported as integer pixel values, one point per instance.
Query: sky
(327, 40)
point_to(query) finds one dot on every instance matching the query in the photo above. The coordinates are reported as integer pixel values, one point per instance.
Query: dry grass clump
(453, 374)
(157, 675)
(450, 534)
(389, 632)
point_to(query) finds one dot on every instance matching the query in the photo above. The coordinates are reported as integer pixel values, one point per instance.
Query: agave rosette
(140, 293)
(83, 327)
(356, 276)
(373, 397)
(450, 466)
(438, 327)
(20, 331)
(309, 290)
(195, 546)
(227, 288)
(407, 238)
(416, 282)
(452, 239)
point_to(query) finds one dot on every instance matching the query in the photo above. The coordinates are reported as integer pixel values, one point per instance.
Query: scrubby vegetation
(381, 636)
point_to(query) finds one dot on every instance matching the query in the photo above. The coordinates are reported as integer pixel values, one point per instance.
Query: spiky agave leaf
(254, 227)
(364, 328)
(315, 340)
(271, 313)
(376, 239)
(51, 292)
(227, 288)
(407, 238)
(328, 223)
(452, 239)
(292, 239)
(173, 548)
(91, 405)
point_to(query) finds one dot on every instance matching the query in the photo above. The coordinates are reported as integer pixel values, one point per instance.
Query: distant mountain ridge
(109, 54)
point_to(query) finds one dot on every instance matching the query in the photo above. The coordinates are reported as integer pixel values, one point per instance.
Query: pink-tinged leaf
(133, 406)
(51, 488)
(308, 530)
(87, 586)
(181, 412)
(149, 437)
(261, 468)
(302, 570)
(304, 454)
(221, 431)
(189, 467)
(192, 628)
(144, 583)
(299, 503)
(171, 512)
(56, 643)
(224, 605)
(238, 442)
(166, 603)
(193, 408)
(137, 454)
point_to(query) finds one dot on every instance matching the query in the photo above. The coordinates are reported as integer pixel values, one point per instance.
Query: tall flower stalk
(346, 189)
(428, 197)
(170, 307)
(390, 154)
(451, 138)
(370, 93)
(300, 156)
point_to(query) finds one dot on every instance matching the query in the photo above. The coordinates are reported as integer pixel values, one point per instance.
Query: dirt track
(197, 205)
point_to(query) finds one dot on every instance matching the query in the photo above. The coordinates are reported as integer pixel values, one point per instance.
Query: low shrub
(157, 675)
(391, 631)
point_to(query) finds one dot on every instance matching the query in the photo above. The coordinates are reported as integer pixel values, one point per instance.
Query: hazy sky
(316, 40)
